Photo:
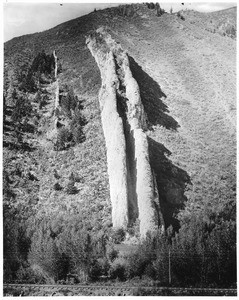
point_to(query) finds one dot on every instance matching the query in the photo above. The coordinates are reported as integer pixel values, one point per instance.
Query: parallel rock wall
(114, 137)
(145, 188)
(57, 82)
(132, 184)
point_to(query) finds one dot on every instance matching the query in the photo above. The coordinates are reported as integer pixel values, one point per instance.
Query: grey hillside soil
(196, 73)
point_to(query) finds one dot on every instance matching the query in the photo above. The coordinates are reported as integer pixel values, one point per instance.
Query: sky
(30, 17)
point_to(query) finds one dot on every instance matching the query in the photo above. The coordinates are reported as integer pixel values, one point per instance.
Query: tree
(63, 137)
(45, 254)
(71, 188)
(22, 108)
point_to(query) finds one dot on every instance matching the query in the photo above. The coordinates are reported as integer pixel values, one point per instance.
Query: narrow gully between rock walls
(133, 211)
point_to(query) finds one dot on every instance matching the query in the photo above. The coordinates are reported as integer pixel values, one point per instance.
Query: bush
(22, 108)
(63, 138)
(69, 101)
(57, 187)
(231, 31)
(117, 235)
(43, 63)
(45, 254)
(126, 10)
(179, 15)
(111, 253)
(70, 188)
(150, 5)
(118, 269)
(99, 267)
(27, 275)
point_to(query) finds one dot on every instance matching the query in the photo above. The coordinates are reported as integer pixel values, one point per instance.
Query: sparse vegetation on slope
(56, 204)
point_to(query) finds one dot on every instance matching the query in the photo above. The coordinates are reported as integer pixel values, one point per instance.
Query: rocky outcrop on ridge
(57, 83)
(132, 185)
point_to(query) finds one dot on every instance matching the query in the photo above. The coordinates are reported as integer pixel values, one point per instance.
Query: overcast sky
(29, 17)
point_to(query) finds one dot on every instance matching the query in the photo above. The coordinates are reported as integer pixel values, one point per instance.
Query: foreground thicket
(202, 253)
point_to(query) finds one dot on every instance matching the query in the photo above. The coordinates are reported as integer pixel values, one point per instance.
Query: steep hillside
(185, 68)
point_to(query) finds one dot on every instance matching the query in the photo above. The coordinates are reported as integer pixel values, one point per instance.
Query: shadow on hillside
(151, 96)
(22, 147)
(171, 182)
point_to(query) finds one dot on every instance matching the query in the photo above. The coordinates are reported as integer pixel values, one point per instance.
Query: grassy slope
(196, 71)
(187, 80)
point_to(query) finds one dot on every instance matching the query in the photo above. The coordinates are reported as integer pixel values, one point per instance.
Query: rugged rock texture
(132, 184)
(57, 82)
(114, 137)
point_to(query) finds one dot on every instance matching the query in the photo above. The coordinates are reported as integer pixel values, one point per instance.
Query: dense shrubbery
(202, 253)
(72, 109)
(156, 6)
(117, 235)
(43, 63)
(230, 30)
(21, 111)
(126, 10)
(40, 71)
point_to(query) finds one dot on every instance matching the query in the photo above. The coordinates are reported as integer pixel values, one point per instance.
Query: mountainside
(184, 65)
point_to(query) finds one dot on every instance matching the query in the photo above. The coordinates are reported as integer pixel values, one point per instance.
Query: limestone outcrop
(132, 184)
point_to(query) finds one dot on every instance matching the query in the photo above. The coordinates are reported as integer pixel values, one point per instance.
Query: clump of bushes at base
(202, 253)
(118, 269)
(117, 235)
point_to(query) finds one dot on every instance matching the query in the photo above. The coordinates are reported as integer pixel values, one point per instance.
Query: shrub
(117, 235)
(45, 254)
(179, 15)
(231, 31)
(78, 134)
(43, 63)
(71, 188)
(126, 10)
(111, 253)
(150, 5)
(95, 270)
(118, 269)
(159, 10)
(99, 267)
(22, 108)
(68, 102)
(63, 138)
(57, 186)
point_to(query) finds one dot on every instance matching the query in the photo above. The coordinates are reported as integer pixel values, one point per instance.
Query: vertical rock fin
(132, 183)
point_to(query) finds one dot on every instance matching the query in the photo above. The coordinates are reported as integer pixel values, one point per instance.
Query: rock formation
(57, 83)
(132, 185)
